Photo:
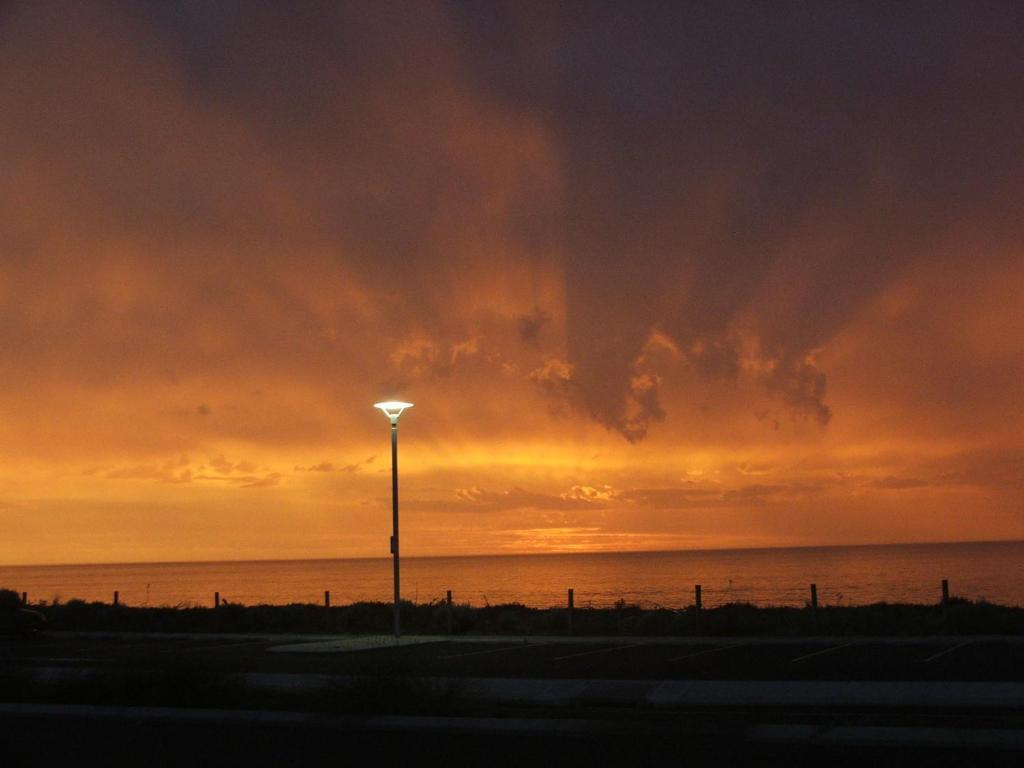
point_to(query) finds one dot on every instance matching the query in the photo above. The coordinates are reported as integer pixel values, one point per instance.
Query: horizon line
(524, 554)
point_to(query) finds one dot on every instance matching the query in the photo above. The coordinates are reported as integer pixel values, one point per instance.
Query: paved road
(765, 714)
(943, 658)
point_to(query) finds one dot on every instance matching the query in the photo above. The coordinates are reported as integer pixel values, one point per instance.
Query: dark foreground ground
(233, 699)
(937, 658)
(74, 740)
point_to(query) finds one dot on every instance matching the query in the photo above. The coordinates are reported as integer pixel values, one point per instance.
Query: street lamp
(393, 409)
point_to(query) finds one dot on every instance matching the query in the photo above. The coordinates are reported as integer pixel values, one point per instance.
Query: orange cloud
(644, 294)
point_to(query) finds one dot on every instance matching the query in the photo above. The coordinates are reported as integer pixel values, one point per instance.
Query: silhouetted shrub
(957, 617)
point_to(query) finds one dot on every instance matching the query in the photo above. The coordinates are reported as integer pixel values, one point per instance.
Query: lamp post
(393, 409)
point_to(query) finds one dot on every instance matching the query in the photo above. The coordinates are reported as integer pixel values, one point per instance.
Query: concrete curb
(368, 642)
(308, 643)
(888, 736)
(289, 719)
(675, 694)
(358, 643)
(656, 694)
(816, 693)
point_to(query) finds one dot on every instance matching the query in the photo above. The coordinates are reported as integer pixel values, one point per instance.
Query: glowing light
(392, 408)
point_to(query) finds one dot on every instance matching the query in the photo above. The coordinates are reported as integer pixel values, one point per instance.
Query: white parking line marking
(494, 650)
(599, 650)
(706, 651)
(942, 653)
(822, 652)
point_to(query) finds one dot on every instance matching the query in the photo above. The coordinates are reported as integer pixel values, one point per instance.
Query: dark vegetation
(17, 619)
(172, 684)
(193, 683)
(958, 616)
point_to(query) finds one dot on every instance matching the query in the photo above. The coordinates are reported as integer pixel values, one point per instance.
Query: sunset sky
(656, 276)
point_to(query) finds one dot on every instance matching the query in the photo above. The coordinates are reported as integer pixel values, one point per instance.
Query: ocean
(845, 575)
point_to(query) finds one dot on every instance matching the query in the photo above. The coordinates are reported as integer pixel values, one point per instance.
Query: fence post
(116, 598)
(216, 599)
(814, 606)
(327, 610)
(448, 611)
(697, 607)
(945, 605)
(570, 610)
(24, 598)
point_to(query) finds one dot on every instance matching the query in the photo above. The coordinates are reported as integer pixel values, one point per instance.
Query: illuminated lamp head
(392, 409)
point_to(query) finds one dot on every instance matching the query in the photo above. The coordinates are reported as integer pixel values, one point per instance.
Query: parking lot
(721, 660)
(798, 695)
(892, 659)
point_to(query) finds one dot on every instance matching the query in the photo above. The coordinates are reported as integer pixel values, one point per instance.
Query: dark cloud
(243, 481)
(682, 497)
(597, 201)
(266, 481)
(222, 465)
(803, 388)
(753, 197)
(324, 466)
(180, 470)
(530, 327)
(327, 466)
(995, 468)
(695, 495)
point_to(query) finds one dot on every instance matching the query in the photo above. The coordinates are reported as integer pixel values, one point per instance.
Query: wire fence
(698, 596)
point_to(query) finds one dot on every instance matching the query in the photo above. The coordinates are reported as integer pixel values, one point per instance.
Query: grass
(959, 616)
(172, 684)
(393, 687)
